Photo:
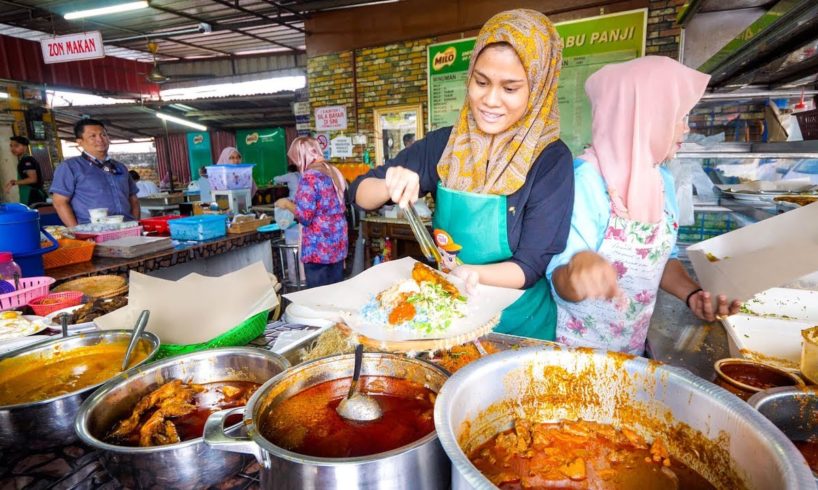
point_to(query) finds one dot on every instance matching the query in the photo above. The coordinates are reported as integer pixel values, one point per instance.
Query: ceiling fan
(155, 75)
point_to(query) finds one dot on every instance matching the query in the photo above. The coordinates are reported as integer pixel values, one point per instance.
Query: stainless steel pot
(791, 409)
(706, 427)
(50, 423)
(189, 464)
(418, 466)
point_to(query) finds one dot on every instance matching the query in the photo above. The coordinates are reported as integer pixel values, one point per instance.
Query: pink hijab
(636, 108)
(305, 153)
(224, 157)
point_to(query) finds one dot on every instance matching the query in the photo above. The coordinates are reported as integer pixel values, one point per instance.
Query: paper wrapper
(347, 298)
(196, 308)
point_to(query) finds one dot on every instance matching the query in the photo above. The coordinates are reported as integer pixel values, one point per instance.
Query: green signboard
(588, 44)
(198, 149)
(266, 148)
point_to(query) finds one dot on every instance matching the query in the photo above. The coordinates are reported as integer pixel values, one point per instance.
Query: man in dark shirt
(29, 178)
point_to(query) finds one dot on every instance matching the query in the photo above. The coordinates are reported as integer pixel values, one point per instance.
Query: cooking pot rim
(265, 445)
(130, 376)
(461, 464)
(47, 344)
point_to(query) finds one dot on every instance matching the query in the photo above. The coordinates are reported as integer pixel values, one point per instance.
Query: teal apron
(477, 222)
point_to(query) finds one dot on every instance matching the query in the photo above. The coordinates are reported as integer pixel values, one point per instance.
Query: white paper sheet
(195, 308)
(346, 299)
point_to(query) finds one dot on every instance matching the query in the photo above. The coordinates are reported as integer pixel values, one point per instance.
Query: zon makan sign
(73, 47)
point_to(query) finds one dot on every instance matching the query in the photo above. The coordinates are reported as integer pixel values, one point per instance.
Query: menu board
(588, 44)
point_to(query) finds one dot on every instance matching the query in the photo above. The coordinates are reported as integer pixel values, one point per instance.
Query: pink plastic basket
(104, 236)
(30, 288)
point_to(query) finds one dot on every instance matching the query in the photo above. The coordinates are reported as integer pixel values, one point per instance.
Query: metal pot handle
(215, 437)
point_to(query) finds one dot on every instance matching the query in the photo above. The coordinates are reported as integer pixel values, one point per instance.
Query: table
(211, 258)
(399, 233)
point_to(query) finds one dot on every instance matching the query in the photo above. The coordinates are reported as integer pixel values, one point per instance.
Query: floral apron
(638, 252)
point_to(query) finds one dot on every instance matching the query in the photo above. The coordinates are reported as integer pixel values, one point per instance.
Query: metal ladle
(356, 406)
(141, 323)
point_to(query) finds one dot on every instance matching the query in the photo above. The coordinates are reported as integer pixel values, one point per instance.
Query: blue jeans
(323, 274)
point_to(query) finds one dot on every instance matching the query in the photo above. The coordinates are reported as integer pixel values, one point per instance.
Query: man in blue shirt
(93, 179)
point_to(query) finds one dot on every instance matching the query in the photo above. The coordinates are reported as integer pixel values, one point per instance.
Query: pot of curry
(43, 385)
(551, 417)
(147, 423)
(301, 442)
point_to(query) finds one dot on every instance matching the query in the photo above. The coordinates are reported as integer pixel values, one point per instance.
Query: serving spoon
(356, 406)
(141, 323)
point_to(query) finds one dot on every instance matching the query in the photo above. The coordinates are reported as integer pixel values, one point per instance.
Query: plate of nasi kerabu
(405, 301)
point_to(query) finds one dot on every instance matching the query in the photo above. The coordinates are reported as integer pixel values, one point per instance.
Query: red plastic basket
(55, 301)
(158, 226)
(104, 236)
(30, 288)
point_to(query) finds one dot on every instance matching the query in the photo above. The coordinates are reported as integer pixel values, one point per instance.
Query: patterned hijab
(513, 152)
(305, 153)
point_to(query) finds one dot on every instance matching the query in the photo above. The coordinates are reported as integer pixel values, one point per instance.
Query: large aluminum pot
(791, 409)
(50, 423)
(188, 464)
(706, 427)
(418, 466)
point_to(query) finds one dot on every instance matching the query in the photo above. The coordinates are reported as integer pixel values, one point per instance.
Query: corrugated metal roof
(237, 27)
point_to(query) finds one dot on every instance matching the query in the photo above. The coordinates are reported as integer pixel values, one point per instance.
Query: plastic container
(55, 301)
(9, 268)
(230, 177)
(199, 228)
(158, 226)
(30, 288)
(97, 214)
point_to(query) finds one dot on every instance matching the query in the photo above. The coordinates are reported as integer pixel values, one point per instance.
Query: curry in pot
(37, 376)
(176, 412)
(308, 423)
(582, 455)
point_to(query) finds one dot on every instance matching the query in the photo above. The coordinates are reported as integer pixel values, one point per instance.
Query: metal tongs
(427, 245)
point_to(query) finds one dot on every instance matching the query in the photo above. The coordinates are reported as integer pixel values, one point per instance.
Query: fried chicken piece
(157, 431)
(424, 273)
(172, 399)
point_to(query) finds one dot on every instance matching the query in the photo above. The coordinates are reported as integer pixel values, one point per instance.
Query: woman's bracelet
(687, 300)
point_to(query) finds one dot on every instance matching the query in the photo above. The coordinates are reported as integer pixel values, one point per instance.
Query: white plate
(78, 327)
(20, 342)
(304, 315)
(769, 329)
(40, 324)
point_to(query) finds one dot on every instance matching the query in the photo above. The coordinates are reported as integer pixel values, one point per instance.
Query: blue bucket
(20, 235)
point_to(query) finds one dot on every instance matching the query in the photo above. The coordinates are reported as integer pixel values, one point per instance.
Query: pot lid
(13, 212)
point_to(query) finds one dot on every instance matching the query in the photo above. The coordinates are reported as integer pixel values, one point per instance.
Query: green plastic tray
(240, 335)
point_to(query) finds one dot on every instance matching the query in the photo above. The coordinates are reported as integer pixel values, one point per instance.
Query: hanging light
(113, 9)
(179, 120)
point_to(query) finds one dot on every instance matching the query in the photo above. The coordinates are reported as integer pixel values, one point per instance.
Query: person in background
(29, 178)
(205, 194)
(622, 244)
(231, 156)
(319, 207)
(93, 179)
(408, 140)
(291, 178)
(502, 178)
(146, 187)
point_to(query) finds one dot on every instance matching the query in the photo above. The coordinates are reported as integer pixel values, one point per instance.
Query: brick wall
(396, 74)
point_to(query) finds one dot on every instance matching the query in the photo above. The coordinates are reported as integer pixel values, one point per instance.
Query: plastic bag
(284, 218)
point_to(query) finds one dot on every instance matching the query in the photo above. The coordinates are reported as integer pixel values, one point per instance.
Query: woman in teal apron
(502, 179)
(621, 248)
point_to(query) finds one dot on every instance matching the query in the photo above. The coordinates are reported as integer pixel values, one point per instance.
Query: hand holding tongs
(427, 245)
